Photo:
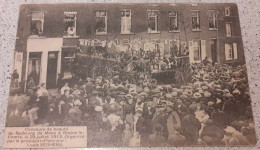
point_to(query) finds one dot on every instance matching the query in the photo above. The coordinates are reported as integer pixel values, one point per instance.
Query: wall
(44, 46)
(54, 25)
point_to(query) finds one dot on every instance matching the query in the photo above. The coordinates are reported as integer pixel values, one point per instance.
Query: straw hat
(77, 102)
(98, 108)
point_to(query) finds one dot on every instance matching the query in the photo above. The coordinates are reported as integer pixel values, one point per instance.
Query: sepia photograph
(130, 75)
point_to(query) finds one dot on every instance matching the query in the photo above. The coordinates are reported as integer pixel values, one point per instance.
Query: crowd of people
(128, 105)
(213, 109)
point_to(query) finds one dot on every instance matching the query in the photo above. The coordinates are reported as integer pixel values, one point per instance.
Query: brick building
(49, 35)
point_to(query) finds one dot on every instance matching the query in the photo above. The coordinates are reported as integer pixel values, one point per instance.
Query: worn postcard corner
(129, 75)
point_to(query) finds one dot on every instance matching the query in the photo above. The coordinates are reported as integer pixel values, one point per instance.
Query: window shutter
(226, 52)
(42, 24)
(191, 54)
(203, 49)
(235, 50)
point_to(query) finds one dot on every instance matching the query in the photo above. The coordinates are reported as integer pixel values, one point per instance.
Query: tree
(184, 19)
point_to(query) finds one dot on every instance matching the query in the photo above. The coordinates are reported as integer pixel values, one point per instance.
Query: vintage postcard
(129, 75)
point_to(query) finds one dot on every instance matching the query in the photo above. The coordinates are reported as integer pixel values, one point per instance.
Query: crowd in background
(213, 109)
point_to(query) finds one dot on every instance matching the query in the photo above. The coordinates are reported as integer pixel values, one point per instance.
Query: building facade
(49, 35)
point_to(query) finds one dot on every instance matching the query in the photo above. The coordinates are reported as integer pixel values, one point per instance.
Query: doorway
(213, 46)
(34, 67)
(52, 70)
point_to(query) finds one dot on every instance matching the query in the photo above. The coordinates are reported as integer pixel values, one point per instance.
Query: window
(197, 50)
(227, 11)
(231, 51)
(153, 21)
(173, 15)
(195, 20)
(67, 63)
(213, 20)
(34, 66)
(228, 29)
(70, 19)
(37, 23)
(126, 21)
(101, 22)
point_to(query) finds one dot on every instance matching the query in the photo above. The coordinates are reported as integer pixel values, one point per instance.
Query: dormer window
(227, 11)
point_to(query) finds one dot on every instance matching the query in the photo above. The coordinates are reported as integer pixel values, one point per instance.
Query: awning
(70, 42)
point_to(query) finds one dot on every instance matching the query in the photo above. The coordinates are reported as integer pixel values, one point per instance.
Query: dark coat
(60, 83)
(139, 125)
(65, 110)
(90, 87)
(162, 120)
(212, 135)
(156, 140)
(128, 109)
(191, 127)
(148, 116)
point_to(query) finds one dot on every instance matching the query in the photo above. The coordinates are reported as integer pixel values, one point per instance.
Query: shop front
(69, 50)
(43, 60)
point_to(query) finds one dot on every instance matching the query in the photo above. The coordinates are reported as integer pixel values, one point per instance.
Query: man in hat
(155, 100)
(30, 87)
(212, 135)
(173, 120)
(156, 139)
(74, 114)
(120, 103)
(43, 103)
(129, 107)
(233, 137)
(160, 116)
(138, 121)
(139, 104)
(90, 87)
(60, 81)
(191, 126)
(174, 127)
(228, 107)
(148, 113)
(15, 77)
(65, 87)
(169, 119)
(64, 106)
